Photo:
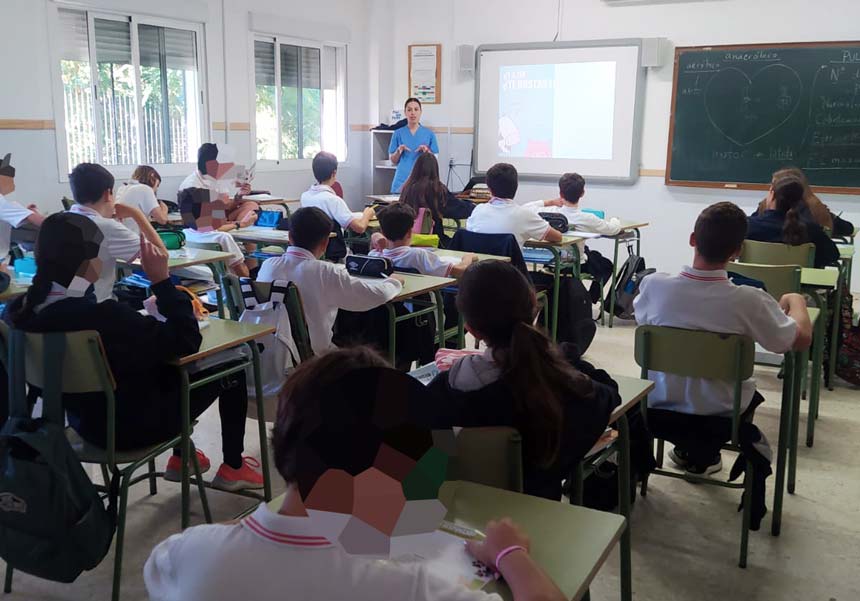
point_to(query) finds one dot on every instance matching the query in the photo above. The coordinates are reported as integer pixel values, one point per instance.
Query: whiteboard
(552, 108)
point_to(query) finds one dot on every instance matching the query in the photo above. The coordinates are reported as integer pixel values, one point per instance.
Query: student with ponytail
(522, 380)
(139, 349)
(782, 221)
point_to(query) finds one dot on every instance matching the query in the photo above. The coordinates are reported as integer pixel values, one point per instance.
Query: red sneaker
(173, 471)
(231, 479)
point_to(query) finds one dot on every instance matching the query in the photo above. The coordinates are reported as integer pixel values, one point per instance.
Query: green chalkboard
(739, 113)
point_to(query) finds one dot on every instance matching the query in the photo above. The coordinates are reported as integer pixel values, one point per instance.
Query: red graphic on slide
(538, 149)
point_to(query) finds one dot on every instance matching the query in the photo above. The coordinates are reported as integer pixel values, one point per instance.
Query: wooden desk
(187, 257)
(383, 198)
(819, 278)
(262, 235)
(570, 543)
(568, 243)
(442, 252)
(632, 391)
(13, 291)
(221, 335)
(174, 218)
(417, 285)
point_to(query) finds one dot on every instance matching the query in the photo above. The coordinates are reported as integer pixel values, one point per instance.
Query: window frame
(134, 20)
(299, 164)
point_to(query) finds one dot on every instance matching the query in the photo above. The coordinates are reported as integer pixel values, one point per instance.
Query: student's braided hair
(65, 242)
(498, 303)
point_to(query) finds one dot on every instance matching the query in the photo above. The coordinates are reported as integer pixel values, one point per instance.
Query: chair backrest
(218, 269)
(338, 189)
(777, 253)
(235, 303)
(500, 245)
(778, 279)
(67, 202)
(490, 456)
(697, 354)
(423, 222)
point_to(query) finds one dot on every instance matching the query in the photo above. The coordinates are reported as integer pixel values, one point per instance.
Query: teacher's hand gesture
(423, 148)
(402, 148)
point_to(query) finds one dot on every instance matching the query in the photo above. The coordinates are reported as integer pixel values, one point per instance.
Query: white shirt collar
(84, 210)
(495, 200)
(284, 529)
(299, 252)
(395, 252)
(322, 188)
(703, 275)
(77, 289)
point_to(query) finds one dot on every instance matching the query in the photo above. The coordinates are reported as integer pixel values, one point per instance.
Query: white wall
(671, 210)
(26, 84)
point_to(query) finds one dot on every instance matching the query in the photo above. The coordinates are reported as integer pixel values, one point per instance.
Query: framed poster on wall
(425, 73)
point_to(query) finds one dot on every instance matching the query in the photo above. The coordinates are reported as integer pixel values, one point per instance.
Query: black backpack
(556, 221)
(53, 524)
(627, 288)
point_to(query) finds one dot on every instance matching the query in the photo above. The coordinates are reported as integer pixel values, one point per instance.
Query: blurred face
(155, 185)
(7, 184)
(90, 270)
(413, 113)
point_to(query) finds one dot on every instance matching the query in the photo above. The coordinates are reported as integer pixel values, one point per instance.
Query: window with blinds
(298, 95)
(131, 90)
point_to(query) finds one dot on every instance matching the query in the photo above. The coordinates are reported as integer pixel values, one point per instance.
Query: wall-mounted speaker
(654, 51)
(466, 59)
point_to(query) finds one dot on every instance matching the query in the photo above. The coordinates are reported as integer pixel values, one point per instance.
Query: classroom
(482, 299)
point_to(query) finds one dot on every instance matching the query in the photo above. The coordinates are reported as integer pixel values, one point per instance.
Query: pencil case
(374, 267)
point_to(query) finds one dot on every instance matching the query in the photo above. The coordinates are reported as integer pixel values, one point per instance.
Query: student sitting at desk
(322, 196)
(92, 189)
(782, 222)
(299, 548)
(571, 189)
(503, 216)
(237, 210)
(140, 192)
(396, 222)
(701, 297)
(424, 190)
(522, 380)
(12, 214)
(139, 349)
(325, 287)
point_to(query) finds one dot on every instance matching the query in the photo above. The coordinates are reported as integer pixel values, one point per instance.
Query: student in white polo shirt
(322, 196)
(325, 287)
(140, 192)
(702, 297)
(12, 214)
(92, 189)
(503, 216)
(396, 221)
(335, 431)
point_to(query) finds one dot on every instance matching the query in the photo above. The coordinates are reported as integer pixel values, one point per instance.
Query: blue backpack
(53, 523)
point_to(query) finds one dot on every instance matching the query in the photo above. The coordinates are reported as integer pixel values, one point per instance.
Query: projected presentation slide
(560, 111)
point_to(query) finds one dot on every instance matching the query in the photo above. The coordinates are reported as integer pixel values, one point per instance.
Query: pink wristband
(508, 551)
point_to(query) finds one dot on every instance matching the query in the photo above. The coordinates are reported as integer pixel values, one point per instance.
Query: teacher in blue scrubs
(408, 142)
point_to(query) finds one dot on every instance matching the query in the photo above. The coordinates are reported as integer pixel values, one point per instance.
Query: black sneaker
(706, 470)
(679, 457)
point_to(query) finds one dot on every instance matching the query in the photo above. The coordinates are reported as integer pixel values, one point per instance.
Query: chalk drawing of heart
(746, 109)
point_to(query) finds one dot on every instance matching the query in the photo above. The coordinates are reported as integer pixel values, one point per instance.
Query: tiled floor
(685, 537)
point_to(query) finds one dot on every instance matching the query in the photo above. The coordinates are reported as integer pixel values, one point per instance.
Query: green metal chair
(778, 279)
(67, 203)
(295, 309)
(699, 354)
(776, 253)
(219, 270)
(78, 361)
(491, 456)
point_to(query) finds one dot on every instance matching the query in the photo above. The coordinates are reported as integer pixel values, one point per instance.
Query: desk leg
(803, 358)
(624, 507)
(834, 332)
(556, 285)
(440, 318)
(815, 386)
(782, 443)
(261, 421)
(612, 294)
(392, 333)
(185, 445)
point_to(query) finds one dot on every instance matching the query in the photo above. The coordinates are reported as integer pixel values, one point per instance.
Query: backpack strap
(249, 294)
(52, 363)
(279, 291)
(18, 406)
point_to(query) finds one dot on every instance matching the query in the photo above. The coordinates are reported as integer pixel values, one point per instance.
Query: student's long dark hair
(788, 194)
(498, 303)
(65, 242)
(424, 188)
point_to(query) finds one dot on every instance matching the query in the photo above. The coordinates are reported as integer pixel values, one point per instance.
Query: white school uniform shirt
(579, 220)
(708, 300)
(135, 194)
(324, 198)
(196, 180)
(326, 287)
(504, 216)
(119, 244)
(271, 556)
(420, 259)
(12, 214)
(228, 245)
